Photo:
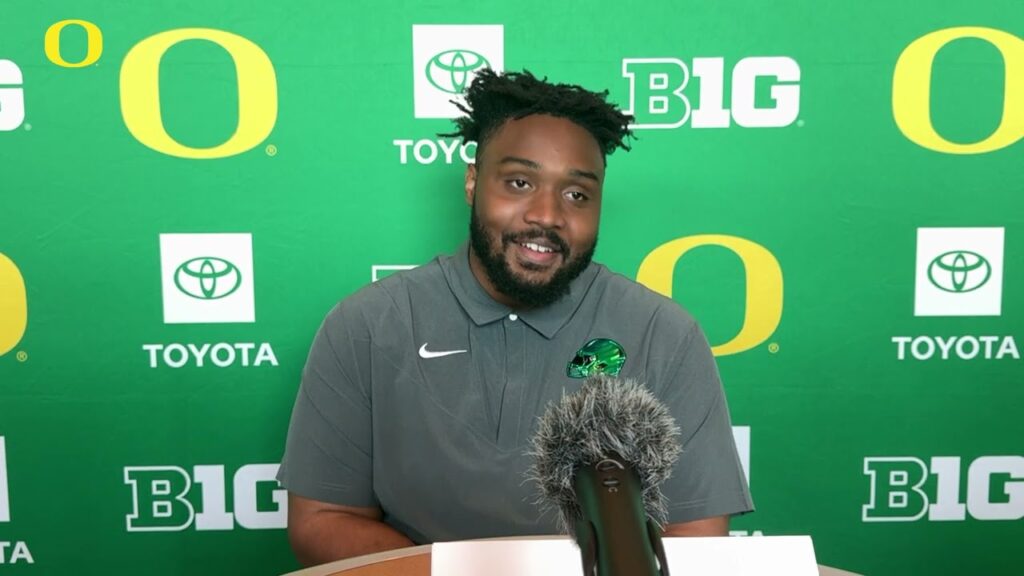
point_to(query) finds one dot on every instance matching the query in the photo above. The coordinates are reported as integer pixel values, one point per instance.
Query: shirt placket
(515, 381)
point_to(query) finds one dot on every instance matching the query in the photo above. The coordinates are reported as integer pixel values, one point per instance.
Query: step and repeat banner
(186, 188)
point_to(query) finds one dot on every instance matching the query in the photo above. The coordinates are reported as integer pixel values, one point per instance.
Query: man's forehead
(539, 137)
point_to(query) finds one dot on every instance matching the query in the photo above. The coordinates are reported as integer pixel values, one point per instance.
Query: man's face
(536, 197)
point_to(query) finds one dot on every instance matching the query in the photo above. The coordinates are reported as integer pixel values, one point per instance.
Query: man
(422, 391)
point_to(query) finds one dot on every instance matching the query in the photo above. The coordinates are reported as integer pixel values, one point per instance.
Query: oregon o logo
(449, 71)
(763, 289)
(207, 278)
(911, 90)
(959, 271)
(13, 305)
(93, 43)
(140, 93)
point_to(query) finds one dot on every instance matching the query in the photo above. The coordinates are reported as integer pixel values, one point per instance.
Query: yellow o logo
(763, 291)
(13, 305)
(140, 93)
(93, 38)
(911, 90)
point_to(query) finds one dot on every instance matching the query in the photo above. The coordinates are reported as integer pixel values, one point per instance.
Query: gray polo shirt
(421, 393)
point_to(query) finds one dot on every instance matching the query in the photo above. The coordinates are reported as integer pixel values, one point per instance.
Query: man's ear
(470, 183)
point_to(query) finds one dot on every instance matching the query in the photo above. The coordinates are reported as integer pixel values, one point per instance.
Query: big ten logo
(163, 498)
(905, 489)
(13, 305)
(445, 150)
(658, 95)
(141, 94)
(12, 96)
(912, 94)
(763, 290)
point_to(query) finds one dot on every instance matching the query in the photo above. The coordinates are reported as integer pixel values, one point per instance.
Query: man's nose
(545, 209)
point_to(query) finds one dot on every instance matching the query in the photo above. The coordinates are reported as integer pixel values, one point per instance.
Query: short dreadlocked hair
(492, 99)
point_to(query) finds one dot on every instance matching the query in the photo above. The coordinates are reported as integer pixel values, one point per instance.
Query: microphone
(600, 455)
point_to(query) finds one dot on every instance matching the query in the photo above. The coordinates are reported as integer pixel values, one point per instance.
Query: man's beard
(528, 294)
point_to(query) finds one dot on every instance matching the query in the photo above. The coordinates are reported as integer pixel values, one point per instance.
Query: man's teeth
(537, 247)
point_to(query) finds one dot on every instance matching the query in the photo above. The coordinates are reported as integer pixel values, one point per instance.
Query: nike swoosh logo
(424, 353)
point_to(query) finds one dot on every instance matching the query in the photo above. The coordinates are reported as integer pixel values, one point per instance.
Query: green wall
(835, 194)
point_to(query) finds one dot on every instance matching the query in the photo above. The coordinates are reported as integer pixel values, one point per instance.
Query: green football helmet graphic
(599, 356)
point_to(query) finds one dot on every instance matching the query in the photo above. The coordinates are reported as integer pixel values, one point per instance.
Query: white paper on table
(726, 556)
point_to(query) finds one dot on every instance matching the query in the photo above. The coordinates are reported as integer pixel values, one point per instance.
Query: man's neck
(480, 273)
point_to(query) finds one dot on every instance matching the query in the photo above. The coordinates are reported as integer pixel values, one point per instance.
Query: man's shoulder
(425, 277)
(389, 296)
(627, 296)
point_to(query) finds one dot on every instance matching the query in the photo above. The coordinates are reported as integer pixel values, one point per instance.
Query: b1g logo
(912, 90)
(164, 499)
(657, 95)
(763, 284)
(12, 96)
(446, 58)
(901, 490)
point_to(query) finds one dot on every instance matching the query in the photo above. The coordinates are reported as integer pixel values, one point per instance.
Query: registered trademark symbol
(22, 356)
(271, 150)
(773, 348)
(799, 123)
(28, 127)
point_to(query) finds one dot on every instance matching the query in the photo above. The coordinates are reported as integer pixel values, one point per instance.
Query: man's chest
(491, 380)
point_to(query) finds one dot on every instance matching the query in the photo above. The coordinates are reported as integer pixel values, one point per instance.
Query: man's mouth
(542, 248)
(538, 252)
(538, 241)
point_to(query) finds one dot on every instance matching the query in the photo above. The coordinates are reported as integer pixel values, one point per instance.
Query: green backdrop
(840, 207)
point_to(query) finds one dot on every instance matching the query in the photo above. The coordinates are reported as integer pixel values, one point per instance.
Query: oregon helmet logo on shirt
(599, 356)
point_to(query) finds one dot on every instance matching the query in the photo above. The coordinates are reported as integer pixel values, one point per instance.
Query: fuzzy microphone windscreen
(606, 415)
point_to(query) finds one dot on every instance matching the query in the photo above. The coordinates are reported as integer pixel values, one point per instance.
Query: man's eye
(518, 183)
(576, 195)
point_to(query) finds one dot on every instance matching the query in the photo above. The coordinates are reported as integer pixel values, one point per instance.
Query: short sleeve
(329, 451)
(708, 479)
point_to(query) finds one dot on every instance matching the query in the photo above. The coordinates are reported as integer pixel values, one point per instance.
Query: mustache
(535, 234)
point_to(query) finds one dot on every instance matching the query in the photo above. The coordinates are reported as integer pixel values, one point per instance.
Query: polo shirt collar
(483, 309)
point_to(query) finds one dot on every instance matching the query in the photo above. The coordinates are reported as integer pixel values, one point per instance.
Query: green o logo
(959, 271)
(449, 71)
(207, 278)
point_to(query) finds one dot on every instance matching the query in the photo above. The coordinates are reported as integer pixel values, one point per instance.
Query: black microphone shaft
(614, 534)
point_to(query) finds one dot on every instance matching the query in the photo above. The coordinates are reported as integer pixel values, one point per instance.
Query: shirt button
(513, 317)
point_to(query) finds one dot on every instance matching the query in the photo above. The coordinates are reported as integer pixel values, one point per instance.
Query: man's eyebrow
(585, 174)
(575, 172)
(518, 160)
